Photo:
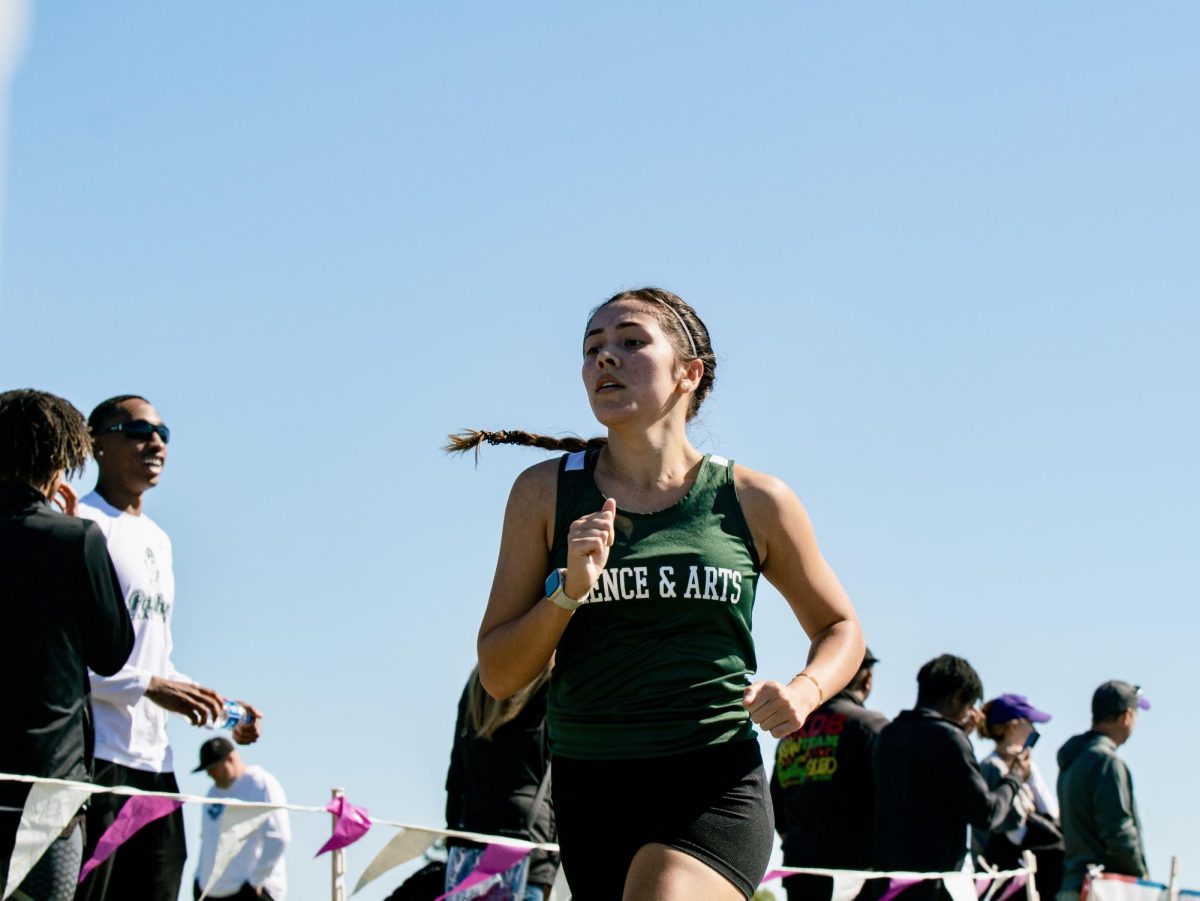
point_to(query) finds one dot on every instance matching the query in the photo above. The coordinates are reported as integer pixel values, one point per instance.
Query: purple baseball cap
(1115, 697)
(1013, 707)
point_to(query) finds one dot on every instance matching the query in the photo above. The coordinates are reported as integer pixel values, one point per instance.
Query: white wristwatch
(556, 584)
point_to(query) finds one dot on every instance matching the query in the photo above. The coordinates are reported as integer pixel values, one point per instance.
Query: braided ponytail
(473, 439)
(688, 334)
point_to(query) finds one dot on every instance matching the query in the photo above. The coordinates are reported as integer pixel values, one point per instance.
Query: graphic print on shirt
(692, 582)
(810, 754)
(152, 567)
(144, 605)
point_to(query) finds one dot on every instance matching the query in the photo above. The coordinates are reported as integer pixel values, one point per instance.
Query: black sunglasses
(140, 430)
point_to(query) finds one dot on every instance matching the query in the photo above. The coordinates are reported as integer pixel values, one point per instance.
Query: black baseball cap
(213, 752)
(1115, 697)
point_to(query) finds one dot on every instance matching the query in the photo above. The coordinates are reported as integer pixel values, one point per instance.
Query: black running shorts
(712, 804)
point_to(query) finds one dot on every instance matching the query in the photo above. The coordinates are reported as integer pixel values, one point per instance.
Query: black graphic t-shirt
(822, 786)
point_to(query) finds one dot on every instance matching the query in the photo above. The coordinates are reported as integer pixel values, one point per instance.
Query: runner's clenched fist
(780, 709)
(588, 543)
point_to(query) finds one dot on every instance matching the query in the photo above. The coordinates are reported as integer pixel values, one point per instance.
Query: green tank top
(656, 660)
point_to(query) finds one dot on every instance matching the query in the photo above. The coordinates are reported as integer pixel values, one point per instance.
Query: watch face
(552, 582)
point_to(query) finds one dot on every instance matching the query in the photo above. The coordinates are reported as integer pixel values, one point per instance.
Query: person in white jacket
(258, 869)
(130, 707)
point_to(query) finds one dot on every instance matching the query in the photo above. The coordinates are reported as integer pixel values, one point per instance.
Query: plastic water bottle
(235, 715)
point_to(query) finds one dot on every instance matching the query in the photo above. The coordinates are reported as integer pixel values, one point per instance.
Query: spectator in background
(823, 789)
(259, 869)
(499, 783)
(1099, 817)
(62, 614)
(131, 707)
(1032, 824)
(928, 785)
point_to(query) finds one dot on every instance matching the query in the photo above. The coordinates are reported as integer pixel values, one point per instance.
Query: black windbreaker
(928, 790)
(63, 613)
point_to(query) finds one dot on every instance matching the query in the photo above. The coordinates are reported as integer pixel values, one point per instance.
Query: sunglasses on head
(140, 430)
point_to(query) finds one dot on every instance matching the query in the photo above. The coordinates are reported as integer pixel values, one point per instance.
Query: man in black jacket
(823, 790)
(63, 614)
(1099, 817)
(929, 787)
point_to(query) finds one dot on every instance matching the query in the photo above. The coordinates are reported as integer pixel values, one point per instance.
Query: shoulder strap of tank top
(574, 476)
(725, 482)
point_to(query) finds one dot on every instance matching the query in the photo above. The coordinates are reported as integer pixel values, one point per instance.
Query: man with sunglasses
(130, 708)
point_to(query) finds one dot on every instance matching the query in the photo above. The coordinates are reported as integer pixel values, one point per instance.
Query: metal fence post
(337, 860)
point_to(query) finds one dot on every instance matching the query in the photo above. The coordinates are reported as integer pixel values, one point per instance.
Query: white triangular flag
(47, 811)
(960, 887)
(846, 888)
(237, 825)
(404, 846)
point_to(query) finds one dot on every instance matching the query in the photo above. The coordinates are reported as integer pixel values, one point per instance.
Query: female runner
(636, 559)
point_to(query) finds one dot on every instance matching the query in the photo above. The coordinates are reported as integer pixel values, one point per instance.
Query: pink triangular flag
(495, 859)
(896, 886)
(352, 824)
(773, 875)
(137, 812)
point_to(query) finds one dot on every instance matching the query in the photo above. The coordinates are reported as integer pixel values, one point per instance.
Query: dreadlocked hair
(473, 439)
(41, 435)
(687, 332)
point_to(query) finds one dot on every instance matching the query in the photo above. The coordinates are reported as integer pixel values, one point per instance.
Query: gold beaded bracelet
(820, 691)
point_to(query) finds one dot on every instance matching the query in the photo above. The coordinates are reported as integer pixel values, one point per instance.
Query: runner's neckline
(704, 461)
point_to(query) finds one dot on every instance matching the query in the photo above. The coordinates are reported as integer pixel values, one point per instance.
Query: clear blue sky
(947, 253)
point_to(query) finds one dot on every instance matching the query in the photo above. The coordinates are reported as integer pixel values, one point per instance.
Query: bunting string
(897, 875)
(126, 790)
(58, 799)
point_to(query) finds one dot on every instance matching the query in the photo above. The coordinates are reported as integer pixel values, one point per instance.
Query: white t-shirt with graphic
(260, 861)
(130, 728)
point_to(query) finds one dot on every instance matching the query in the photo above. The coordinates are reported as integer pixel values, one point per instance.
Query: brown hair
(485, 714)
(688, 335)
(995, 731)
(41, 435)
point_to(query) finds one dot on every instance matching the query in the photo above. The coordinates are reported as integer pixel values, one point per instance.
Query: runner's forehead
(618, 315)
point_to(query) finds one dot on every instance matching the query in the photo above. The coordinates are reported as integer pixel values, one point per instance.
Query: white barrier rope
(989, 875)
(899, 874)
(302, 808)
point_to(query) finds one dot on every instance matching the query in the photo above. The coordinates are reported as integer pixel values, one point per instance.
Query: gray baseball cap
(1115, 697)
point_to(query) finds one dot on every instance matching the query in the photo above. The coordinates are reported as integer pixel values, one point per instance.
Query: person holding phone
(634, 560)
(62, 615)
(1033, 823)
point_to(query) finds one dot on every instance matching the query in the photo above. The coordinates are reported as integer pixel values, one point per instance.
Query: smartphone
(1032, 739)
